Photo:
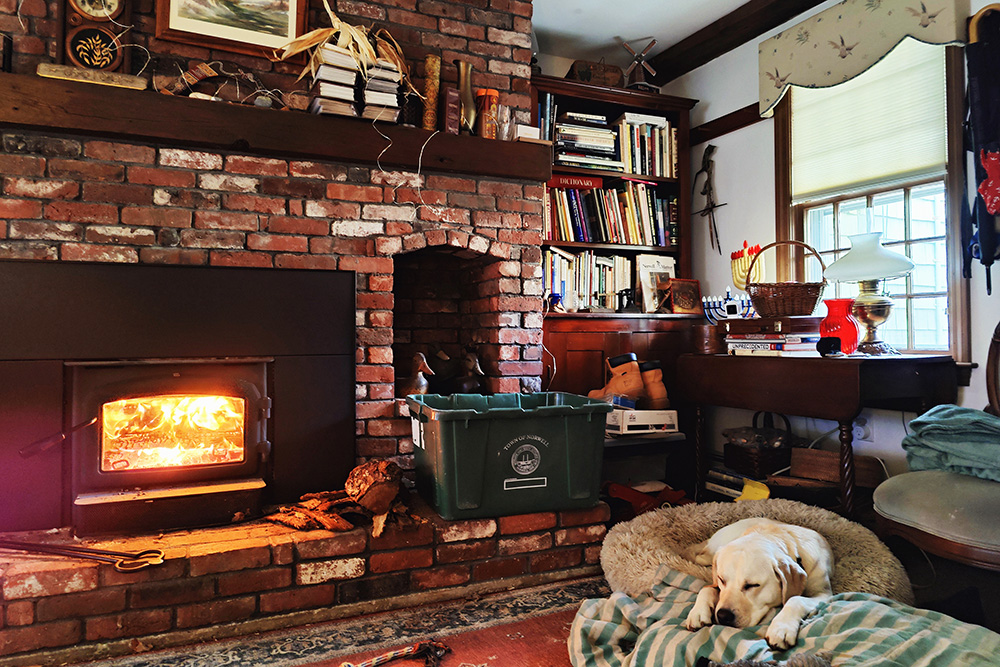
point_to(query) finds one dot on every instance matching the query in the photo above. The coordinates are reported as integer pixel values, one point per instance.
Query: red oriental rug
(535, 642)
(520, 628)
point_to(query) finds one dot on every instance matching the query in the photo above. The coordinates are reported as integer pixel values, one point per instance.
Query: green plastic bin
(490, 456)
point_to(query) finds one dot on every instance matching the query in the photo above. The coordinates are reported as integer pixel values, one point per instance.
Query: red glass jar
(839, 323)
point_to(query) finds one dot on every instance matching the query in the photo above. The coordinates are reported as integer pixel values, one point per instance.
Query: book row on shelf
(584, 280)
(634, 143)
(630, 213)
(343, 87)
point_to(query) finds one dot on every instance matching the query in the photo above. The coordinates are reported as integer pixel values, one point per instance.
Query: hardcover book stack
(335, 84)
(381, 92)
(585, 140)
(648, 144)
(773, 344)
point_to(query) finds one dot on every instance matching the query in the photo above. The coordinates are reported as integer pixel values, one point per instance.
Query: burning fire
(170, 431)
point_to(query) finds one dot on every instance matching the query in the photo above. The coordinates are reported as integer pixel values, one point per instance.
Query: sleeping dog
(759, 565)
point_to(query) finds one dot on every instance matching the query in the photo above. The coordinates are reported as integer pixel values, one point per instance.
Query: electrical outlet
(864, 430)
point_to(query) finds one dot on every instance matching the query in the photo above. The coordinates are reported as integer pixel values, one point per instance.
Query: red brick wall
(87, 199)
(491, 34)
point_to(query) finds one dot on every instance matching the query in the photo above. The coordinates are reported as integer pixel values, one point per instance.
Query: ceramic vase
(839, 323)
(467, 110)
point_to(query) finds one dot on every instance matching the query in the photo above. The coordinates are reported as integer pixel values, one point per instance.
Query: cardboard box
(626, 422)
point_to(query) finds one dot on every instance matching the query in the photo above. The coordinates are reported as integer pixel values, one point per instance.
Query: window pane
(893, 330)
(819, 228)
(889, 216)
(927, 211)
(930, 274)
(853, 219)
(930, 323)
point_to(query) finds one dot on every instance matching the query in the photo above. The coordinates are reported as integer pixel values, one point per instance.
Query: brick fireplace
(164, 181)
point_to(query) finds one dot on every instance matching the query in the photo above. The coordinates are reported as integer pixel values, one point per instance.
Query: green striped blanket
(854, 629)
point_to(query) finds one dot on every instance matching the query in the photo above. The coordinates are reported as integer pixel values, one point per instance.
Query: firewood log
(374, 485)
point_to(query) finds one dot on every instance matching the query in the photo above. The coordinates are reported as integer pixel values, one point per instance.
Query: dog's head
(754, 574)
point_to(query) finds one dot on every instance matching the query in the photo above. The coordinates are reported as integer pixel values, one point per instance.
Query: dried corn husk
(352, 38)
(355, 39)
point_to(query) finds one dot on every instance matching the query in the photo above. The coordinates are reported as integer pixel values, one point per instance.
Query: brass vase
(467, 110)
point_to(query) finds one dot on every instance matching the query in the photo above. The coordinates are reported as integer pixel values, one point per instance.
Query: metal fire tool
(123, 561)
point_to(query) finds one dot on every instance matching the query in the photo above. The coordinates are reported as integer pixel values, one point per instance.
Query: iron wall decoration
(93, 47)
(93, 29)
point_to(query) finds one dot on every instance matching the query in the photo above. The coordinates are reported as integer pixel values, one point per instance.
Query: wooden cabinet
(644, 177)
(576, 347)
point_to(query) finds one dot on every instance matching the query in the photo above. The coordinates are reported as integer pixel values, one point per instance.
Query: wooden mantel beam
(734, 29)
(38, 103)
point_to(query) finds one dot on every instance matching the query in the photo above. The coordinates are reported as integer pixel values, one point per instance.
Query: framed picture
(651, 269)
(685, 296)
(254, 27)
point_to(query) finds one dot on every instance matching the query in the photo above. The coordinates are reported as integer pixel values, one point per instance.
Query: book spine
(763, 345)
(773, 338)
(574, 213)
(721, 489)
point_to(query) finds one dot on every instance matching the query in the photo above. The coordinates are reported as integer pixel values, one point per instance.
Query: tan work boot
(652, 381)
(625, 379)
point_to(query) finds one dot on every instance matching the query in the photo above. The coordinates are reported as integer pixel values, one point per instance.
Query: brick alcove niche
(454, 299)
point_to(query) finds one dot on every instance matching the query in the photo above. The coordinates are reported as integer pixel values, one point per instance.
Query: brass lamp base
(872, 308)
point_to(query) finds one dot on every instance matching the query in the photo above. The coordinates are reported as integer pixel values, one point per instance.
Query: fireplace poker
(123, 561)
(40, 446)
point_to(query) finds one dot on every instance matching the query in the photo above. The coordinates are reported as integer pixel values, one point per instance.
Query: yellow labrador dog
(759, 565)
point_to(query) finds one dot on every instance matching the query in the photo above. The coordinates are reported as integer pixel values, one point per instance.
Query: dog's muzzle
(725, 617)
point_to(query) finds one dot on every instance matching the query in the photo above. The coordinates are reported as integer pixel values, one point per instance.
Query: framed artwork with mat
(259, 26)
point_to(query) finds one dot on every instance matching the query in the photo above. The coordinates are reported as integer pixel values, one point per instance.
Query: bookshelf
(621, 189)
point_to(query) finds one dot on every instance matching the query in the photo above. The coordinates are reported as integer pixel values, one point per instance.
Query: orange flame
(170, 431)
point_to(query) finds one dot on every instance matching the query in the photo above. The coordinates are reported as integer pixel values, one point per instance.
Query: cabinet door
(577, 364)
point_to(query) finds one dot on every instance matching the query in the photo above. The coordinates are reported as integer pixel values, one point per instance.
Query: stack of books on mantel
(335, 84)
(585, 140)
(380, 92)
(773, 344)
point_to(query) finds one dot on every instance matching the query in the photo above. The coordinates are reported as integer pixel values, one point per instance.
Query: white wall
(744, 181)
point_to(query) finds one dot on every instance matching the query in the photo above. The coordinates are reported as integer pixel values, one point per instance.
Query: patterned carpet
(327, 641)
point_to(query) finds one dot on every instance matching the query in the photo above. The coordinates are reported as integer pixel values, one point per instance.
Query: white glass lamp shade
(868, 260)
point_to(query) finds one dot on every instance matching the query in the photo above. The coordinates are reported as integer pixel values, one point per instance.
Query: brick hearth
(231, 581)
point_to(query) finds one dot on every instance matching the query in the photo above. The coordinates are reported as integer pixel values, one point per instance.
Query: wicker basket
(784, 299)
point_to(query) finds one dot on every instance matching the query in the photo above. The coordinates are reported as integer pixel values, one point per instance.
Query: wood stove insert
(74, 332)
(168, 443)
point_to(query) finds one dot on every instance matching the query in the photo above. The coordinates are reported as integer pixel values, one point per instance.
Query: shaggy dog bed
(633, 551)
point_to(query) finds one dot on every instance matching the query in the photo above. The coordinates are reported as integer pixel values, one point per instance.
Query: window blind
(885, 126)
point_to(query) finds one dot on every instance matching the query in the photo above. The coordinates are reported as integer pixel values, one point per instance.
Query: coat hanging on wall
(982, 138)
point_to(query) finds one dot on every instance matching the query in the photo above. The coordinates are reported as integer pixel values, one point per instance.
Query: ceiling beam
(734, 29)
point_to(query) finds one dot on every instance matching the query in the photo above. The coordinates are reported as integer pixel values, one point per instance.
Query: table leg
(847, 469)
(701, 456)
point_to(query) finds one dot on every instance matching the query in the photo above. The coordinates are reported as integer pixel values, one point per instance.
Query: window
(871, 155)
(912, 222)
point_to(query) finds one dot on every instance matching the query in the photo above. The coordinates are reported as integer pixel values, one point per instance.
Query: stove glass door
(170, 431)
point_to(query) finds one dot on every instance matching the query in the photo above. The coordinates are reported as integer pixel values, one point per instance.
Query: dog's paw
(781, 634)
(699, 617)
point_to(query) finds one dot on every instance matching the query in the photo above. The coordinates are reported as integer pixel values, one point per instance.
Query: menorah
(740, 262)
(727, 307)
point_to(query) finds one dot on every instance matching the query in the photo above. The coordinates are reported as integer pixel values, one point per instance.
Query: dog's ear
(791, 576)
(699, 553)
